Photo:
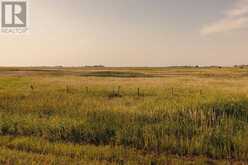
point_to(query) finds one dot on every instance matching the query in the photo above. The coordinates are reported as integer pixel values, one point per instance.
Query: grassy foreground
(123, 116)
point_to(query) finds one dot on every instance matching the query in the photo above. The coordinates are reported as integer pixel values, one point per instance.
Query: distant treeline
(95, 66)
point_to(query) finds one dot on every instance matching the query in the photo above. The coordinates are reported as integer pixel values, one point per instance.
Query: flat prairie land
(99, 115)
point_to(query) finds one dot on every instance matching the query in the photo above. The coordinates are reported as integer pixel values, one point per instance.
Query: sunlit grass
(73, 118)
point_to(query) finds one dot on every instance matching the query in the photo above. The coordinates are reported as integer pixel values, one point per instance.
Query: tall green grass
(211, 124)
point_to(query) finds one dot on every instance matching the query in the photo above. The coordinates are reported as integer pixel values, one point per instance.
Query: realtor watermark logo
(14, 16)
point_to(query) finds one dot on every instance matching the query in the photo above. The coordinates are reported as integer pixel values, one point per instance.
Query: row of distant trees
(95, 66)
(235, 66)
(186, 66)
(241, 66)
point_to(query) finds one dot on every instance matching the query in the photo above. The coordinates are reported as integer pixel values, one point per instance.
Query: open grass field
(94, 115)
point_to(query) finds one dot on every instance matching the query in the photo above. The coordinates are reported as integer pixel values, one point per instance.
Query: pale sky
(131, 33)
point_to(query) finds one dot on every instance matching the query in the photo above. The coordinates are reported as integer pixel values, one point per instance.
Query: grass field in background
(97, 115)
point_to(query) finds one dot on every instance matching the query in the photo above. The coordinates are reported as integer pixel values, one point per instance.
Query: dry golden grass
(181, 115)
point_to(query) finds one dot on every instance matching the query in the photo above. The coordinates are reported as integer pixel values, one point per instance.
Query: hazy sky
(131, 33)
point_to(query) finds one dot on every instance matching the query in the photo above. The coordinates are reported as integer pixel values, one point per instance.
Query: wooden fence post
(67, 89)
(32, 87)
(113, 92)
(119, 88)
